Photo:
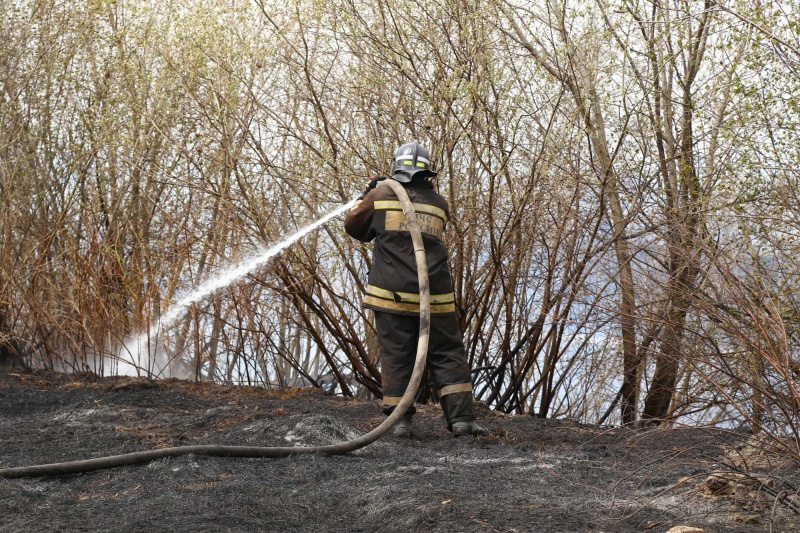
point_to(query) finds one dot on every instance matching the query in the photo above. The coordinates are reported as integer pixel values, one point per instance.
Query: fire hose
(260, 452)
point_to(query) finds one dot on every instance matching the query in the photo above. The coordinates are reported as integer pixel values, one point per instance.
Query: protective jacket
(393, 285)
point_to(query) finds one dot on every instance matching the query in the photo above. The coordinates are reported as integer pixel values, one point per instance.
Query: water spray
(100, 463)
(141, 343)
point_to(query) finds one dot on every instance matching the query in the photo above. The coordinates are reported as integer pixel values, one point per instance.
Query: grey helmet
(411, 160)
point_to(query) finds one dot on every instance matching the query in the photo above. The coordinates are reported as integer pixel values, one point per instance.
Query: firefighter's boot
(403, 427)
(462, 429)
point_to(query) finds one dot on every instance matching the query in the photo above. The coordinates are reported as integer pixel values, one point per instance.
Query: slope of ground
(527, 475)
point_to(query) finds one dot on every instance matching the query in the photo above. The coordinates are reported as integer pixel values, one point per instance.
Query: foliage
(622, 177)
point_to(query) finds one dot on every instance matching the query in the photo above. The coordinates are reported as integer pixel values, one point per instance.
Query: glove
(373, 182)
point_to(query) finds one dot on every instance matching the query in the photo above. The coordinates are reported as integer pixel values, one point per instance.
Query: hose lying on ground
(100, 463)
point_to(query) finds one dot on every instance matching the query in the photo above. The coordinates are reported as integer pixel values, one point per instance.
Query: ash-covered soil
(528, 475)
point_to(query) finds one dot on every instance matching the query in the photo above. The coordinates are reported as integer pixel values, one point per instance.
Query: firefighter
(393, 291)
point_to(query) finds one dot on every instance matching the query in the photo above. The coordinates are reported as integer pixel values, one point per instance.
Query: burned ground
(528, 475)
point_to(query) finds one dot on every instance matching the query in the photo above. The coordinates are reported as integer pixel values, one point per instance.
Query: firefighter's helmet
(411, 160)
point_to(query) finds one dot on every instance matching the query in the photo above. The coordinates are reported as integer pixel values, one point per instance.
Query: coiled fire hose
(114, 461)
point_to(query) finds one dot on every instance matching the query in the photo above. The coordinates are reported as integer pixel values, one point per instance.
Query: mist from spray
(135, 354)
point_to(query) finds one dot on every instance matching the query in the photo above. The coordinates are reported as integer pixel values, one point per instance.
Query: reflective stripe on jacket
(393, 281)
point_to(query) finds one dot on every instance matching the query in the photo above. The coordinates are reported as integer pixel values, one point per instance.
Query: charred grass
(528, 475)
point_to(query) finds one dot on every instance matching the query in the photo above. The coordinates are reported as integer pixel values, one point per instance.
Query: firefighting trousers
(447, 362)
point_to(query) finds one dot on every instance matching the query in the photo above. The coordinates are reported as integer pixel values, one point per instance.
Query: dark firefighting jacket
(393, 282)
